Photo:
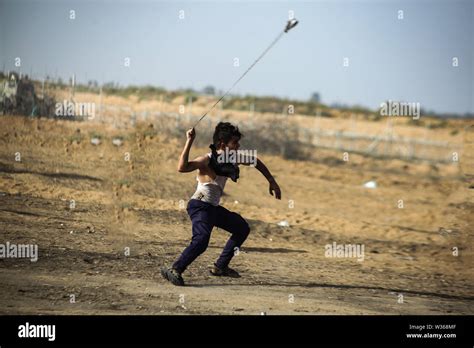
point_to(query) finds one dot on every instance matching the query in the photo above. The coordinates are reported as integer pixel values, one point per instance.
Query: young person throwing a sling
(203, 208)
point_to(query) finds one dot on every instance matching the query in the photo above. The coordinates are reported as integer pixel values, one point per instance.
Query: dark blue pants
(204, 217)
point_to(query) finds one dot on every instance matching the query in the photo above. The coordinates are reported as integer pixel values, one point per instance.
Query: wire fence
(284, 137)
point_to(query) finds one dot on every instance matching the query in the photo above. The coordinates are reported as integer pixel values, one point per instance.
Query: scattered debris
(370, 184)
(95, 141)
(117, 141)
(444, 231)
(284, 223)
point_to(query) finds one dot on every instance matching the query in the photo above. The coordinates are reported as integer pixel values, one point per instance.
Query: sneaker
(172, 275)
(224, 272)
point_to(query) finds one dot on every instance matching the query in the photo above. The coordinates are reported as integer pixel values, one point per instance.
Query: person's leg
(238, 227)
(199, 243)
(202, 216)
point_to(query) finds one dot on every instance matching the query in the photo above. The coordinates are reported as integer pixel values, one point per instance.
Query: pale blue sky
(409, 59)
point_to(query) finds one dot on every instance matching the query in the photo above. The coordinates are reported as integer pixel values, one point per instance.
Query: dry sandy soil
(139, 204)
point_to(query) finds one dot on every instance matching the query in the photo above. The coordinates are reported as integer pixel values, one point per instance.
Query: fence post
(190, 105)
(338, 140)
(100, 104)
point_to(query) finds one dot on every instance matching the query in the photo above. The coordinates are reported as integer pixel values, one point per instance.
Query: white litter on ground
(117, 141)
(370, 184)
(284, 223)
(95, 141)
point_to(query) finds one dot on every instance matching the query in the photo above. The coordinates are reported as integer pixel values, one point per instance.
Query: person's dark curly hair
(224, 132)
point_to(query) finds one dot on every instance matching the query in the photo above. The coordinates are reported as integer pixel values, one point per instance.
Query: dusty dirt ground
(139, 204)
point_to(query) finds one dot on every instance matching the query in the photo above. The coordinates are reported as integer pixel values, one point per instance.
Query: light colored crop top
(210, 192)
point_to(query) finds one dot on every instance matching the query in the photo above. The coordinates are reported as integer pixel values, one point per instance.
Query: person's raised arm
(184, 165)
